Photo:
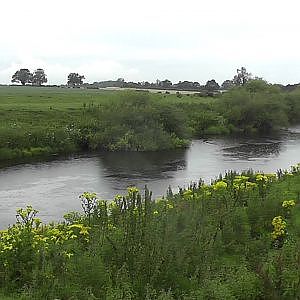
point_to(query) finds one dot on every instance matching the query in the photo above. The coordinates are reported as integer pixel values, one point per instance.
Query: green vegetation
(45, 121)
(41, 121)
(237, 238)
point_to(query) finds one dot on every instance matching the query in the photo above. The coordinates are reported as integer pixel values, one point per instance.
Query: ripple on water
(54, 187)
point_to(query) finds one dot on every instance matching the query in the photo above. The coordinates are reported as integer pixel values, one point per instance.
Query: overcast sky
(147, 40)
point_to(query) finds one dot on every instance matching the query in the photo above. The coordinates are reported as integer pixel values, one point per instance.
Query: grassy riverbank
(41, 121)
(37, 122)
(237, 238)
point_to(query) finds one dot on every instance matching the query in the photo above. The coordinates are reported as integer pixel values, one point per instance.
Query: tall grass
(218, 241)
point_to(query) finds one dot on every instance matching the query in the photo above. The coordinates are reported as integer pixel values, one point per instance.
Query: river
(53, 187)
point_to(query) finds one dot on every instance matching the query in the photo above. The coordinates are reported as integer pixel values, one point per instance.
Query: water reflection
(150, 165)
(253, 149)
(54, 187)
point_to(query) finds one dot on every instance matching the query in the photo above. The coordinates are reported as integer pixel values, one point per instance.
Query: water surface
(53, 187)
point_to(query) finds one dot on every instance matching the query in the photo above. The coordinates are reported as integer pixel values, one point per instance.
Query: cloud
(145, 40)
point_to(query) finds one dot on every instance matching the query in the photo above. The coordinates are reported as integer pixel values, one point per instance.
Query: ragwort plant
(32, 253)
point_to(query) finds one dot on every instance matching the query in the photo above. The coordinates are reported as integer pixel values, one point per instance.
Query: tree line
(39, 77)
(240, 79)
(242, 76)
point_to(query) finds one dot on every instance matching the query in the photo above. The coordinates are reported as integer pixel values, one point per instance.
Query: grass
(37, 122)
(215, 241)
(63, 99)
(3, 297)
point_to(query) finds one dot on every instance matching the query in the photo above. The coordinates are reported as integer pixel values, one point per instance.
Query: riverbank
(234, 239)
(41, 122)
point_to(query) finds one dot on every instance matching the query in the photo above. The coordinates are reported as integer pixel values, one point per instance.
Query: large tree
(242, 76)
(74, 79)
(39, 77)
(211, 86)
(165, 84)
(23, 75)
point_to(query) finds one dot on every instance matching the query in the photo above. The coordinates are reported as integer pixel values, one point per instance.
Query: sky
(141, 40)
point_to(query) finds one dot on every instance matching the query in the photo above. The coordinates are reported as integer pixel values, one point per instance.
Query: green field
(237, 238)
(38, 122)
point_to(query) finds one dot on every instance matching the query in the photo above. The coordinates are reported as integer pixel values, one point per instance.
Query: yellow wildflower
(288, 203)
(170, 206)
(220, 185)
(279, 227)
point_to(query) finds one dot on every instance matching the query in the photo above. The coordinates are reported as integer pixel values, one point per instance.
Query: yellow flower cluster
(41, 237)
(170, 206)
(250, 185)
(265, 177)
(188, 194)
(240, 179)
(220, 185)
(241, 182)
(88, 196)
(261, 177)
(288, 203)
(279, 227)
(118, 197)
(132, 190)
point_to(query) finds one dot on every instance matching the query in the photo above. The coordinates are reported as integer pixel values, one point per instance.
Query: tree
(74, 79)
(165, 84)
(227, 84)
(196, 85)
(242, 76)
(23, 75)
(39, 77)
(212, 85)
(184, 85)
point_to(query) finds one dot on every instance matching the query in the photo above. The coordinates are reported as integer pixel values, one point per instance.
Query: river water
(53, 187)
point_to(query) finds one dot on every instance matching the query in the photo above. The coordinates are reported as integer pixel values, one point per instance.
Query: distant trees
(74, 79)
(23, 76)
(185, 85)
(39, 77)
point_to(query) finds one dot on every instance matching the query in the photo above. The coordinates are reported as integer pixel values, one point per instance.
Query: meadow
(41, 122)
(236, 238)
